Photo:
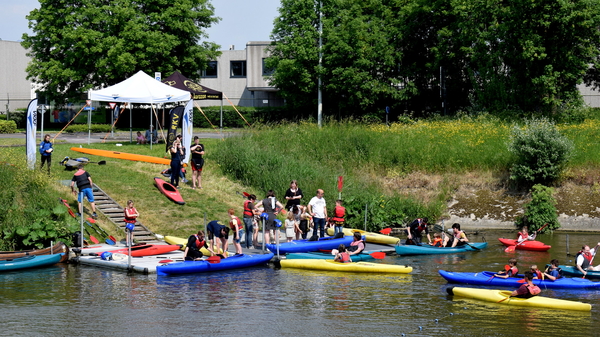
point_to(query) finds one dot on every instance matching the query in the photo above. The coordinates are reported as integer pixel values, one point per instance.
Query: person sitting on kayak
(195, 243)
(528, 289)
(524, 235)
(216, 230)
(552, 271)
(458, 237)
(342, 255)
(357, 246)
(414, 231)
(510, 270)
(437, 240)
(537, 274)
(585, 258)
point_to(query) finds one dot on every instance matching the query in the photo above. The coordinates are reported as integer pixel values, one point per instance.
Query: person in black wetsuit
(177, 156)
(415, 230)
(195, 243)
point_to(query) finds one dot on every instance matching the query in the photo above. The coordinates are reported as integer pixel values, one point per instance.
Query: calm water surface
(81, 300)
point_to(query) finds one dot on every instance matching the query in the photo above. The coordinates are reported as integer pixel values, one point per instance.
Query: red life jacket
(199, 244)
(338, 214)
(239, 223)
(587, 259)
(513, 270)
(533, 289)
(422, 226)
(538, 274)
(344, 257)
(128, 219)
(247, 210)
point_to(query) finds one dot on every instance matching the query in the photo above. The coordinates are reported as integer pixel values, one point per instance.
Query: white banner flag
(31, 129)
(187, 129)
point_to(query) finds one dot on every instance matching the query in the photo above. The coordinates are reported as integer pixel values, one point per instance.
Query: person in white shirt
(318, 209)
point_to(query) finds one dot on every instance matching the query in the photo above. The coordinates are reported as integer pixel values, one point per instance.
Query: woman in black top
(293, 195)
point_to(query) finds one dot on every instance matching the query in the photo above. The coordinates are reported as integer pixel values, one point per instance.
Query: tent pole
(130, 124)
(221, 123)
(152, 107)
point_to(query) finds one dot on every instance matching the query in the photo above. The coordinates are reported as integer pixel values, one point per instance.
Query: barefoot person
(84, 184)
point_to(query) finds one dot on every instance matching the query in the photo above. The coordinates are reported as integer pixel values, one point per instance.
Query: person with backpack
(528, 289)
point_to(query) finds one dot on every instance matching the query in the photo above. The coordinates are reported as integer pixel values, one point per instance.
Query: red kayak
(147, 250)
(169, 190)
(536, 246)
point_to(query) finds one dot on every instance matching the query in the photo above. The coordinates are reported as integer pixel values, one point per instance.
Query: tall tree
(83, 44)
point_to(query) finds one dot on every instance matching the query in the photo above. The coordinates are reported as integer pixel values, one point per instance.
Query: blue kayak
(427, 249)
(327, 256)
(305, 246)
(31, 261)
(232, 262)
(485, 278)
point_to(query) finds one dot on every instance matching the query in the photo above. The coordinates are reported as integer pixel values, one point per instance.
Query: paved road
(121, 136)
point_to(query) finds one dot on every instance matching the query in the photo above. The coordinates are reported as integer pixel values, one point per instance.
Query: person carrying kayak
(585, 258)
(553, 272)
(195, 243)
(415, 230)
(457, 239)
(528, 289)
(510, 270)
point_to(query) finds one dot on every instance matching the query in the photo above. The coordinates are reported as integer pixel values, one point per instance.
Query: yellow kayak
(354, 267)
(501, 297)
(173, 240)
(370, 236)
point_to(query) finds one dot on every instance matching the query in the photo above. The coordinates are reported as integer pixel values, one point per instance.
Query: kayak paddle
(386, 231)
(378, 255)
(213, 259)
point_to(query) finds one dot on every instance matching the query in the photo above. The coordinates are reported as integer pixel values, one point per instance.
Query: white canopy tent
(140, 88)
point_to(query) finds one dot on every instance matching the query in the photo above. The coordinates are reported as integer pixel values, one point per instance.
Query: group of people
(178, 152)
(151, 135)
(420, 226)
(528, 288)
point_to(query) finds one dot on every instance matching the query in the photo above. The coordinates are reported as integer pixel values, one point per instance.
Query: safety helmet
(130, 226)
(106, 256)
(277, 222)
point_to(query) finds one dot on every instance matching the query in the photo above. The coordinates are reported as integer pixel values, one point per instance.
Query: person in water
(528, 289)
(415, 230)
(342, 255)
(510, 270)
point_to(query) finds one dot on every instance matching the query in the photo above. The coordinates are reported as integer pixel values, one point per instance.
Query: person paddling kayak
(528, 289)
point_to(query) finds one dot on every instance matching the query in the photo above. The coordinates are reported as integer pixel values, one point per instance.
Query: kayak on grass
(305, 246)
(31, 261)
(426, 249)
(502, 297)
(486, 278)
(169, 191)
(369, 236)
(535, 246)
(354, 267)
(203, 266)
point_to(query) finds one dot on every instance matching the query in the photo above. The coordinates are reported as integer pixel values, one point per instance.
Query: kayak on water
(305, 246)
(31, 261)
(535, 246)
(502, 297)
(203, 266)
(573, 271)
(487, 278)
(355, 267)
(365, 256)
(369, 236)
(427, 249)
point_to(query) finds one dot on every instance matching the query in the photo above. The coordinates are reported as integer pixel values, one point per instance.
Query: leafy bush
(84, 128)
(2, 117)
(8, 126)
(19, 117)
(541, 152)
(540, 210)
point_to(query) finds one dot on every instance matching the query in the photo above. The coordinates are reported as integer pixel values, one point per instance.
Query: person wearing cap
(197, 162)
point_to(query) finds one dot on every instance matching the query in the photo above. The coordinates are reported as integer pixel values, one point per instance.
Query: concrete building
(15, 90)
(242, 77)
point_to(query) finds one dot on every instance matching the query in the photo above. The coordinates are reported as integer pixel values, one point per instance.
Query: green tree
(540, 210)
(83, 44)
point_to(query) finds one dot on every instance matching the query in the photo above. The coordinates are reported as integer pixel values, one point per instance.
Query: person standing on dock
(272, 207)
(214, 230)
(131, 215)
(317, 207)
(84, 184)
(236, 226)
(249, 220)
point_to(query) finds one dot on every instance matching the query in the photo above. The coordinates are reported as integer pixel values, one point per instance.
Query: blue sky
(242, 20)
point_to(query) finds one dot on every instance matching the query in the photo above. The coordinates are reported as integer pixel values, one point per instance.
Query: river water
(68, 300)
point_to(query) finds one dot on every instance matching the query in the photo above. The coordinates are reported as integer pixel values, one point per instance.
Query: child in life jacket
(552, 271)
(510, 270)
(537, 274)
(338, 217)
(528, 289)
(342, 255)
(437, 240)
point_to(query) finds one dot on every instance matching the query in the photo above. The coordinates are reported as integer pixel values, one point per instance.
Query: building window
(238, 68)
(211, 70)
(266, 71)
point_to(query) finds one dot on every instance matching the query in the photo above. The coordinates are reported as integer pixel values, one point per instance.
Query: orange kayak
(123, 155)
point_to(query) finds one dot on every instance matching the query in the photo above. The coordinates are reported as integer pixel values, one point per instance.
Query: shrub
(541, 152)
(540, 210)
(19, 116)
(8, 126)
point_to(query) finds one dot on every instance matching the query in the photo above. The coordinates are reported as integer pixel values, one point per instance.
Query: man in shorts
(214, 230)
(84, 184)
(197, 163)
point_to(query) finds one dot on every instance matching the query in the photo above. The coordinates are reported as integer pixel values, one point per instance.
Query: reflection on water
(73, 300)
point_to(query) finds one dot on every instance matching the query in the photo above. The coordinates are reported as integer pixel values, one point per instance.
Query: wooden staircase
(115, 213)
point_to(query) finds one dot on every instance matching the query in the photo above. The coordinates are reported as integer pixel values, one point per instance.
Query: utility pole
(320, 95)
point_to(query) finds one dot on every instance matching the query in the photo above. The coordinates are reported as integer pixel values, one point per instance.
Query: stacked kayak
(536, 246)
(233, 262)
(502, 297)
(573, 271)
(327, 256)
(354, 267)
(147, 250)
(369, 236)
(426, 249)
(173, 240)
(32, 261)
(304, 246)
(486, 278)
